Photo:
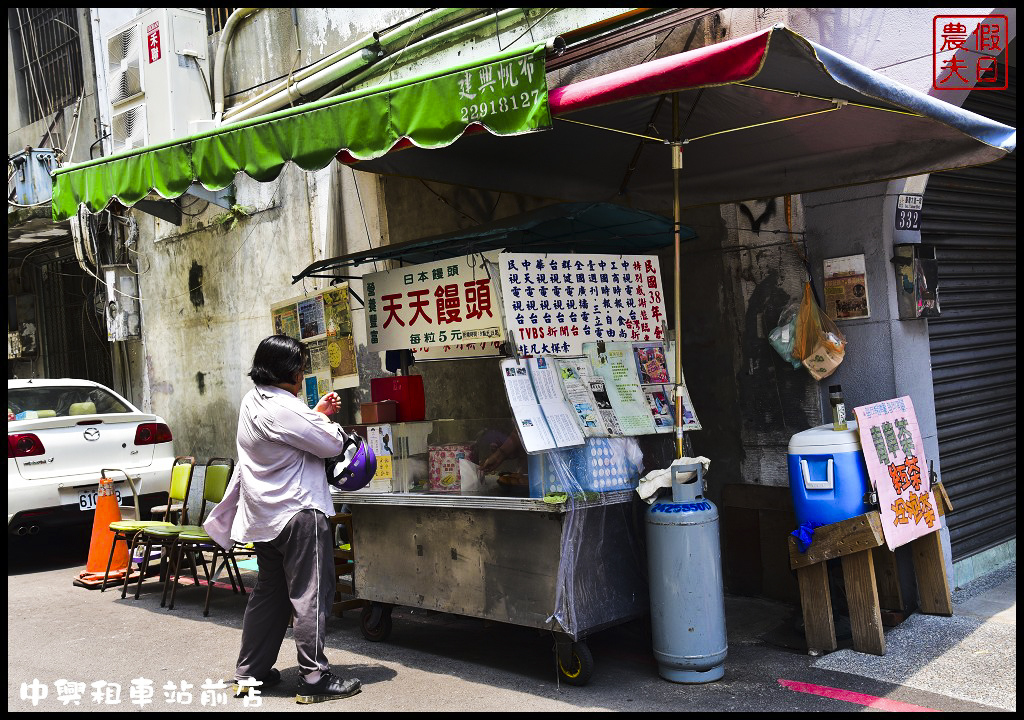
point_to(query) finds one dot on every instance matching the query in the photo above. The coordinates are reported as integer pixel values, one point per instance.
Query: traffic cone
(107, 511)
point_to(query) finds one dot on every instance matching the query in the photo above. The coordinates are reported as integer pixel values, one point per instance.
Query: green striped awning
(505, 94)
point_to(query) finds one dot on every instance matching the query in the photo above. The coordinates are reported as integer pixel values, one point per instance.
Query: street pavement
(81, 650)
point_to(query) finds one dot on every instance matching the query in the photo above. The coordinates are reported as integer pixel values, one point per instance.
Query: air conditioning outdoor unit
(157, 73)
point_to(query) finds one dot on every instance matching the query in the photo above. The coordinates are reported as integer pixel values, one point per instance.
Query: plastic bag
(781, 338)
(818, 344)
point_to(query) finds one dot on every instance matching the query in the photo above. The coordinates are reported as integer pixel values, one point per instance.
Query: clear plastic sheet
(578, 475)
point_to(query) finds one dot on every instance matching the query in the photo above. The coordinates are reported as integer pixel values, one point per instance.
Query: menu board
(323, 323)
(554, 302)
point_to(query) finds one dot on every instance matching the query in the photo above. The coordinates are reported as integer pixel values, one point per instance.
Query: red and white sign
(153, 42)
(451, 302)
(894, 453)
(966, 50)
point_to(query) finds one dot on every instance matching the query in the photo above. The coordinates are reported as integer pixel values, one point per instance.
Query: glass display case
(480, 457)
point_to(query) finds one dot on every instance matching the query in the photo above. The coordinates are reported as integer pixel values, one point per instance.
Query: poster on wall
(554, 302)
(846, 288)
(323, 323)
(894, 453)
(445, 303)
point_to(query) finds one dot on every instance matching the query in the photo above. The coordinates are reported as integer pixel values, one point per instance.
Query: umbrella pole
(677, 169)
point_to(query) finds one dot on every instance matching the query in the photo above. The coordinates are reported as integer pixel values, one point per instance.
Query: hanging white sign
(450, 302)
(556, 302)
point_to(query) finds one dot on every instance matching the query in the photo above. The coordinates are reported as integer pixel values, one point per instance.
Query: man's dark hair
(278, 358)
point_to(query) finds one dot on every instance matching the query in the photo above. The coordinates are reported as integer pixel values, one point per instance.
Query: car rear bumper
(53, 502)
(31, 522)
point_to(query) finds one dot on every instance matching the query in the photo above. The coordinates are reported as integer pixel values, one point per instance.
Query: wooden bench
(869, 573)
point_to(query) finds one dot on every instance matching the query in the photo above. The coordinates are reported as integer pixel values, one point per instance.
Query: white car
(60, 435)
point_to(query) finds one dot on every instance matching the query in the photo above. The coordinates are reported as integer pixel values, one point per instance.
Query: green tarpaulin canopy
(506, 94)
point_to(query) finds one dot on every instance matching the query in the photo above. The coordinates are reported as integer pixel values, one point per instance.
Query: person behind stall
(279, 500)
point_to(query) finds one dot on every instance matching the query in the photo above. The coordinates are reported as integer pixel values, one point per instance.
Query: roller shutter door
(970, 217)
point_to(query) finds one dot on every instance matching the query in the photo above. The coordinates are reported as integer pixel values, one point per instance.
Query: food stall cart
(501, 547)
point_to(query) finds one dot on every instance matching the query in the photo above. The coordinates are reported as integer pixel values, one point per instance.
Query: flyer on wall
(323, 323)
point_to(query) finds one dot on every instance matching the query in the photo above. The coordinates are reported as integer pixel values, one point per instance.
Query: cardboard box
(384, 411)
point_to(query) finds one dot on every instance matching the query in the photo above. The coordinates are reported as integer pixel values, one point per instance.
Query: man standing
(279, 500)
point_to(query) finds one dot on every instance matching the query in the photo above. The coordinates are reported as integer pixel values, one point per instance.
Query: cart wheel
(375, 622)
(579, 666)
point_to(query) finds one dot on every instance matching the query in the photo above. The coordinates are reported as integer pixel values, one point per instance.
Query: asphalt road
(64, 642)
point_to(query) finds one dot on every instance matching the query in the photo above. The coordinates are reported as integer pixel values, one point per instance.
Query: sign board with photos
(617, 389)
(555, 302)
(445, 303)
(323, 323)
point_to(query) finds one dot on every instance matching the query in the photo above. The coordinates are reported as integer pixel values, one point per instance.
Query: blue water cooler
(827, 475)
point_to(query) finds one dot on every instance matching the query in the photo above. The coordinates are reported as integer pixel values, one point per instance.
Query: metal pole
(677, 169)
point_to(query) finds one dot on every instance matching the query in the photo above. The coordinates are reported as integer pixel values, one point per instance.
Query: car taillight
(152, 434)
(24, 445)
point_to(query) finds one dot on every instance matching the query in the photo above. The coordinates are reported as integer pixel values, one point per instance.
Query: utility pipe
(222, 52)
(400, 35)
(422, 47)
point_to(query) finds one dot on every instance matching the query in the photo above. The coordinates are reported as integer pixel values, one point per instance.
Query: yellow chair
(194, 539)
(161, 534)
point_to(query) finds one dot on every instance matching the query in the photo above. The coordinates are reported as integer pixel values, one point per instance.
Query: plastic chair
(193, 538)
(162, 534)
(127, 529)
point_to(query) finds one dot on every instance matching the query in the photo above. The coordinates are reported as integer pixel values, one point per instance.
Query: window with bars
(47, 52)
(216, 17)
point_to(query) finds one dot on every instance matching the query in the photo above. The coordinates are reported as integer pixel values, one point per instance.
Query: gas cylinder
(685, 571)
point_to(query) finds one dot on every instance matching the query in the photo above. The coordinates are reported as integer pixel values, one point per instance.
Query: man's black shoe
(329, 688)
(242, 686)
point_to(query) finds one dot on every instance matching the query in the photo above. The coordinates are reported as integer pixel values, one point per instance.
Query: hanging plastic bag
(782, 337)
(818, 344)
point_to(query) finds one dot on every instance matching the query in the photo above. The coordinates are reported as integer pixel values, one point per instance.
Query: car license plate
(87, 499)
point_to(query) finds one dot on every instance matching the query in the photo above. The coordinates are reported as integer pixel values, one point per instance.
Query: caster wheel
(577, 668)
(375, 622)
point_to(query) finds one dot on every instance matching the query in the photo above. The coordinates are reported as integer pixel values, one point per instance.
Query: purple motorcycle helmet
(354, 467)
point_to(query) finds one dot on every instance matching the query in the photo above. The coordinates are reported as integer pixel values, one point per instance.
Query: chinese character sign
(450, 302)
(966, 52)
(894, 453)
(556, 302)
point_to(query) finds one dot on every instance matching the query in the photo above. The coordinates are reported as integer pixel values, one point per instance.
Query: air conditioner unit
(157, 73)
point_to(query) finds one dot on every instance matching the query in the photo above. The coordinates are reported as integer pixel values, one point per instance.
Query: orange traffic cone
(107, 511)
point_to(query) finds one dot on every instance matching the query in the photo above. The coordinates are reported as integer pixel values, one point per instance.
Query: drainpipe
(349, 59)
(222, 51)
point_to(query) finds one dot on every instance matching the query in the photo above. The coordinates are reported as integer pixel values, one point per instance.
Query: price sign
(908, 212)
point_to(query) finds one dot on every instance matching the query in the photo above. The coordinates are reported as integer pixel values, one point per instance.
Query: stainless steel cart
(517, 560)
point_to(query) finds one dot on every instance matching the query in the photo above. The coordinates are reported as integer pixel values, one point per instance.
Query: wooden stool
(869, 571)
(345, 564)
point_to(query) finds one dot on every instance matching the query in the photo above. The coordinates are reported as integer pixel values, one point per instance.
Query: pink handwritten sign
(894, 453)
